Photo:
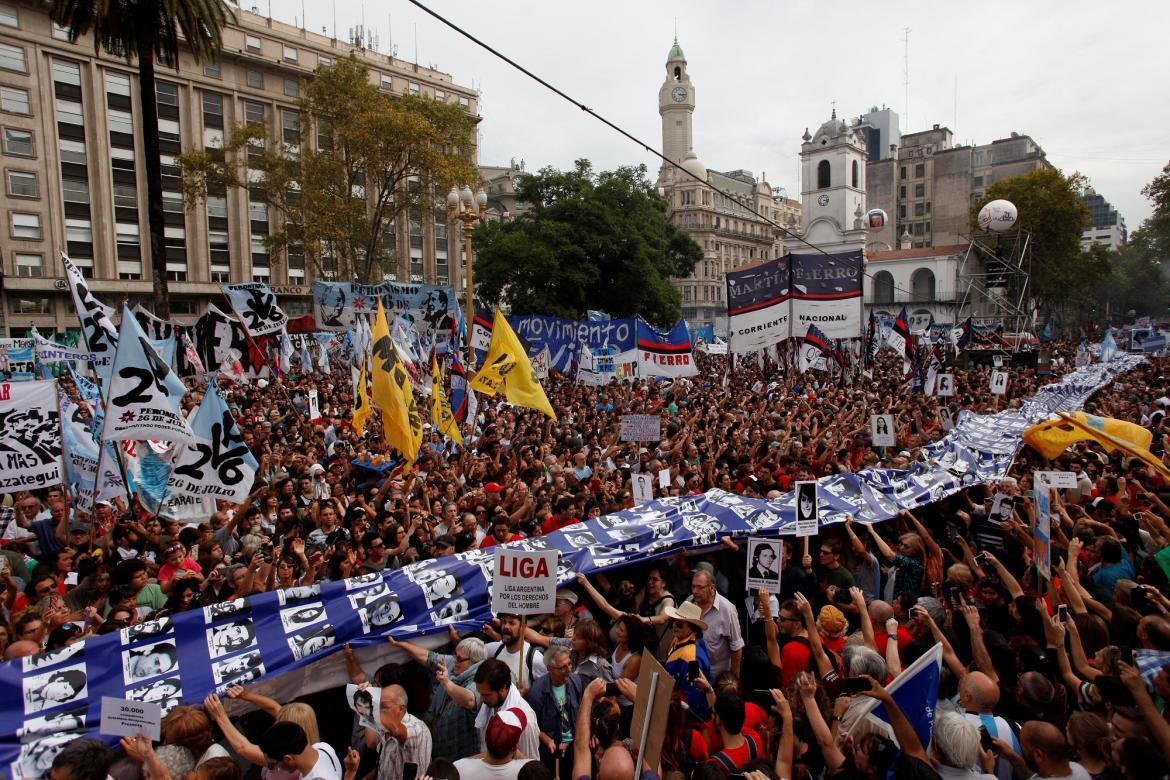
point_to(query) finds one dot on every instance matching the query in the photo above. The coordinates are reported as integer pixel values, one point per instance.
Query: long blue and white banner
(276, 637)
(338, 306)
(563, 337)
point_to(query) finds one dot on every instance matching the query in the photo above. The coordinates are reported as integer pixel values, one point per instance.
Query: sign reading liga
(757, 306)
(525, 582)
(30, 436)
(826, 292)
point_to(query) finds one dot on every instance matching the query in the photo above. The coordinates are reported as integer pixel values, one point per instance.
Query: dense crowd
(1046, 679)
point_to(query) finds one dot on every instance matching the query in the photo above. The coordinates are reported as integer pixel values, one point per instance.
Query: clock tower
(833, 192)
(676, 105)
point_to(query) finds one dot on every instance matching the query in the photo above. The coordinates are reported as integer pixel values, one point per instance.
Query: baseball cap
(493, 487)
(503, 731)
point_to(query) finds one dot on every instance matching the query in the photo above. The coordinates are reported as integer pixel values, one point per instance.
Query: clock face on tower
(678, 94)
(823, 200)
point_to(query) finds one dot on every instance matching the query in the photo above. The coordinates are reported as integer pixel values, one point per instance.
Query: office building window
(8, 16)
(117, 84)
(386, 82)
(213, 110)
(126, 236)
(464, 103)
(168, 94)
(290, 54)
(292, 87)
(12, 58)
(255, 113)
(221, 274)
(26, 226)
(440, 95)
(168, 130)
(132, 269)
(902, 172)
(212, 70)
(14, 100)
(919, 190)
(22, 185)
(75, 190)
(919, 170)
(125, 196)
(290, 126)
(18, 143)
(325, 62)
(255, 79)
(69, 112)
(28, 264)
(31, 304)
(414, 89)
(217, 206)
(78, 231)
(919, 209)
(72, 151)
(121, 121)
(252, 43)
(259, 250)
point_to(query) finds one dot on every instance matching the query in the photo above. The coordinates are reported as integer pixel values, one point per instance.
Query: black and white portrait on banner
(167, 693)
(147, 661)
(380, 614)
(882, 430)
(69, 720)
(438, 585)
(224, 609)
(581, 539)
(36, 758)
(148, 630)
(51, 657)
(239, 669)
(763, 560)
(296, 618)
(52, 689)
(298, 593)
(453, 611)
(230, 638)
(944, 385)
(305, 645)
(362, 580)
(806, 508)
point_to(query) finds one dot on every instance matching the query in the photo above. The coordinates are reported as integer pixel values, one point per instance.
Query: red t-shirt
(167, 572)
(881, 637)
(754, 716)
(489, 540)
(553, 524)
(742, 755)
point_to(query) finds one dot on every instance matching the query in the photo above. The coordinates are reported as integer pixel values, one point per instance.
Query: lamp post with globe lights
(469, 209)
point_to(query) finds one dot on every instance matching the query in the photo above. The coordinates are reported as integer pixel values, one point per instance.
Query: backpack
(528, 656)
(726, 761)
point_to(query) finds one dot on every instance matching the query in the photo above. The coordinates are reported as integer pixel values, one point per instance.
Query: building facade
(715, 208)
(1106, 226)
(71, 159)
(928, 185)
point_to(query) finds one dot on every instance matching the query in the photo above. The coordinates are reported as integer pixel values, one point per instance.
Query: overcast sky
(1085, 80)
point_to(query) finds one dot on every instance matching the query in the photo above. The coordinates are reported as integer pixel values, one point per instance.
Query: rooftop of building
(911, 254)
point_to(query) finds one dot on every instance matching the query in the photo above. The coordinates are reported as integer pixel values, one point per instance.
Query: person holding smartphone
(556, 699)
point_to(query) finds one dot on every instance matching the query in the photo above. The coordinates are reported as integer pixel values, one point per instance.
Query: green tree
(149, 30)
(358, 160)
(1051, 209)
(588, 240)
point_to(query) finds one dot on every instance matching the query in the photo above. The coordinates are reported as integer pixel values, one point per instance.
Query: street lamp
(468, 209)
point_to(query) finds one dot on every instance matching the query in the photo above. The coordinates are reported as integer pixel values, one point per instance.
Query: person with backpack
(740, 746)
(523, 658)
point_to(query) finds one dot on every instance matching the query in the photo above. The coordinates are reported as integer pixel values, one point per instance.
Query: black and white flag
(256, 307)
(216, 463)
(144, 393)
(97, 327)
(30, 436)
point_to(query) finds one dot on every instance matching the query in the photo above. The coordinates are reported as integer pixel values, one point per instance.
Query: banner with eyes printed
(50, 699)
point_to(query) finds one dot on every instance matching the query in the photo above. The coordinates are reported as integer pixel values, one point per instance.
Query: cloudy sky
(1083, 79)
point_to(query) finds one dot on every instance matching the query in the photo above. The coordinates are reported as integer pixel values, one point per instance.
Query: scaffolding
(994, 269)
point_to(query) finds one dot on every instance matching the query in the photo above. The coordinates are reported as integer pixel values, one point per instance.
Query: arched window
(677, 73)
(856, 174)
(883, 287)
(922, 285)
(823, 175)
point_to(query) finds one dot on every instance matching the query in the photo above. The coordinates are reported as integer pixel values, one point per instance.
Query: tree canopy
(1051, 209)
(357, 160)
(588, 241)
(1139, 282)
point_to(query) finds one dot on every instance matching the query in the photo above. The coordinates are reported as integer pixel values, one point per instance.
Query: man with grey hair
(556, 699)
(857, 661)
(406, 739)
(455, 700)
(723, 637)
(954, 748)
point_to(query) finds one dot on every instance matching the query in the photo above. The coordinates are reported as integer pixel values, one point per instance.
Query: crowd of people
(1067, 677)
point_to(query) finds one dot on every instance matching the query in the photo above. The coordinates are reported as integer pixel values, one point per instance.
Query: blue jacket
(548, 717)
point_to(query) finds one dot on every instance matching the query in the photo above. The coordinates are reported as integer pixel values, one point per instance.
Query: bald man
(406, 739)
(1044, 754)
(978, 695)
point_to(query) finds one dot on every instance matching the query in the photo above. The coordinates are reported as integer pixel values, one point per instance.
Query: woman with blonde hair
(907, 564)
(298, 713)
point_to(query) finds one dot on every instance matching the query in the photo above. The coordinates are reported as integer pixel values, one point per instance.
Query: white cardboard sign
(806, 509)
(882, 430)
(1055, 479)
(525, 581)
(124, 718)
(641, 427)
(999, 382)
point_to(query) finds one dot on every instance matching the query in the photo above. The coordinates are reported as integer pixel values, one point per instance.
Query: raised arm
(239, 744)
(807, 685)
(598, 599)
(880, 544)
(867, 634)
(824, 665)
(904, 733)
(978, 650)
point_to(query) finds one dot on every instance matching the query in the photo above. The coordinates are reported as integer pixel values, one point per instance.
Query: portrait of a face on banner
(763, 560)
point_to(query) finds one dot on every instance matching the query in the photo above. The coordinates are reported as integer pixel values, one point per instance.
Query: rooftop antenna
(955, 112)
(390, 34)
(304, 23)
(416, 44)
(906, 68)
(334, 19)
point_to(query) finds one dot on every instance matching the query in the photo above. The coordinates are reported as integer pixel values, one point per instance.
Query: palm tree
(149, 30)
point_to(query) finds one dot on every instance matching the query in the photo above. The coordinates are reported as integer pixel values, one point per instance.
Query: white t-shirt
(478, 769)
(513, 660)
(529, 738)
(328, 767)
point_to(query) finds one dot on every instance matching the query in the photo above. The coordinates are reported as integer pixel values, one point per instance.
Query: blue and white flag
(144, 393)
(1108, 347)
(915, 691)
(286, 352)
(256, 307)
(97, 328)
(216, 463)
(51, 352)
(306, 355)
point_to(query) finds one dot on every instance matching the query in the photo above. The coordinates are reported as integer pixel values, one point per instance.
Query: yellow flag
(361, 402)
(1052, 437)
(507, 370)
(441, 415)
(389, 377)
(1111, 433)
